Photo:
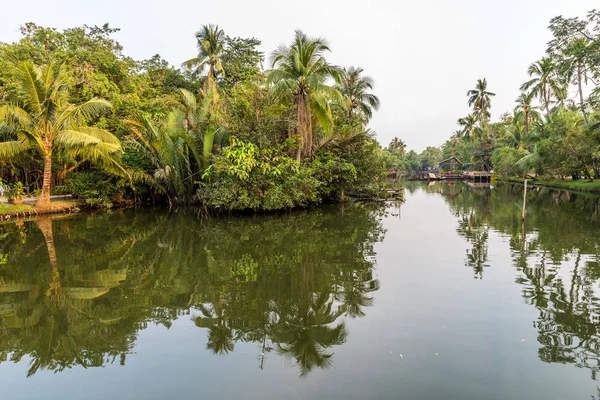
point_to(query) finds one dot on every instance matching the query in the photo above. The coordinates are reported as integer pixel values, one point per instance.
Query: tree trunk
(547, 100)
(579, 78)
(44, 200)
(526, 122)
(303, 127)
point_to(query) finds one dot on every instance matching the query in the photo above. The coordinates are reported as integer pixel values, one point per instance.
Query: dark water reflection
(449, 295)
(75, 292)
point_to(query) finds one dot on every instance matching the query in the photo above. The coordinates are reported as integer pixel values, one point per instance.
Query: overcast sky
(424, 54)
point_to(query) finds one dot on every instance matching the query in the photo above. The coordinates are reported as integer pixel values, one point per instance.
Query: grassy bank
(580, 185)
(8, 211)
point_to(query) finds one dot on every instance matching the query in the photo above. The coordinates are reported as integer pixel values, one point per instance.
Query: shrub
(244, 177)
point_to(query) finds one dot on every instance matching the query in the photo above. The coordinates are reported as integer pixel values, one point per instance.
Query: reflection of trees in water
(556, 252)
(78, 291)
(476, 233)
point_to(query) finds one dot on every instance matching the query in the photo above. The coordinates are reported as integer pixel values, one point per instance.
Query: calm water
(446, 296)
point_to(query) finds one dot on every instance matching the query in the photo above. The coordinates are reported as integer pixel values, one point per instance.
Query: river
(445, 295)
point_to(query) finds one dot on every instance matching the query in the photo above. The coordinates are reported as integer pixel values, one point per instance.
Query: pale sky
(423, 55)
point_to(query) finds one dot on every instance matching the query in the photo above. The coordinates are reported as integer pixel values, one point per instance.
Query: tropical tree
(480, 100)
(578, 65)
(196, 121)
(545, 82)
(469, 129)
(43, 119)
(301, 71)
(171, 153)
(526, 109)
(514, 136)
(398, 146)
(211, 43)
(211, 49)
(355, 88)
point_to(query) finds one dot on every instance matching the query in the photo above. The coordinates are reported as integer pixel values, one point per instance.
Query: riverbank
(10, 211)
(580, 185)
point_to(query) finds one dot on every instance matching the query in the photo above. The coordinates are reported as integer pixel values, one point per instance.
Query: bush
(244, 177)
(505, 161)
(96, 188)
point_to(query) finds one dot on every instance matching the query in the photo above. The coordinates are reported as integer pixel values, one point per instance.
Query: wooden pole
(524, 200)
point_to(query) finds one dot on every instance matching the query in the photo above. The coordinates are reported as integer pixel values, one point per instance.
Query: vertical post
(524, 199)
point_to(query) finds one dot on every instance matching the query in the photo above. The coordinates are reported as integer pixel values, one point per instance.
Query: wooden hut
(450, 164)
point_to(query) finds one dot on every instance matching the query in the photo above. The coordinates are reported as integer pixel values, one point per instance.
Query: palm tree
(355, 88)
(196, 120)
(545, 82)
(526, 109)
(469, 127)
(480, 100)
(169, 151)
(514, 136)
(44, 120)
(398, 146)
(301, 71)
(211, 43)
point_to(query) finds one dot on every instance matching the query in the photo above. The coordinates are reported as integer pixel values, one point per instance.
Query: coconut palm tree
(355, 88)
(45, 121)
(398, 146)
(480, 100)
(469, 129)
(300, 72)
(211, 43)
(545, 82)
(526, 109)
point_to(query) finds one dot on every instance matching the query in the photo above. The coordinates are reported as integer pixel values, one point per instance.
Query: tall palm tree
(526, 109)
(355, 88)
(545, 81)
(480, 100)
(44, 120)
(301, 71)
(398, 146)
(211, 43)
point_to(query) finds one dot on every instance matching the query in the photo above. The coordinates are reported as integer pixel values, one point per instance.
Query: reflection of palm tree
(356, 292)
(45, 225)
(473, 229)
(305, 334)
(220, 336)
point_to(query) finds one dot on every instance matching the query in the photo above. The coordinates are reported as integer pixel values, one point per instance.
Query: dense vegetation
(554, 129)
(79, 116)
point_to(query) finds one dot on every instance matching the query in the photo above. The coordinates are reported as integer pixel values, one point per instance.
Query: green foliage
(15, 191)
(96, 188)
(563, 143)
(245, 177)
(178, 127)
(505, 161)
(241, 62)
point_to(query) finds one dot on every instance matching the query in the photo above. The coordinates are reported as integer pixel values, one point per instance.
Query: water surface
(448, 295)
